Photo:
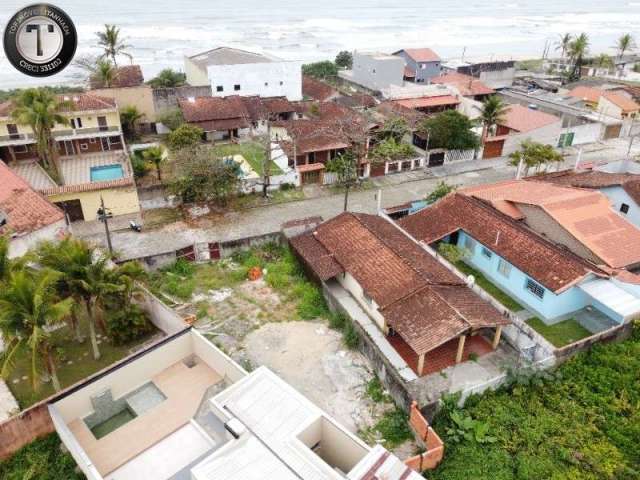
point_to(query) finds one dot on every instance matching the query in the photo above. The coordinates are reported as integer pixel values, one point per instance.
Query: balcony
(88, 132)
(16, 139)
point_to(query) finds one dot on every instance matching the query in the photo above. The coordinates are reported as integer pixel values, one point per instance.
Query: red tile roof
(422, 300)
(467, 85)
(421, 54)
(74, 102)
(317, 89)
(548, 264)
(586, 93)
(27, 210)
(88, 187)
(391, 109)
(593, 95)
(523, 119)
(586, 215)
(627, 105)
(126, 76)
(202, 109)
(425, 102)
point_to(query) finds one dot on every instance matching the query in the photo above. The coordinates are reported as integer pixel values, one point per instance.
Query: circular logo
(40, 40)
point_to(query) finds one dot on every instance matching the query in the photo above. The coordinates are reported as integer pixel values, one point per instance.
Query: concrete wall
(548, 307)
(618, 196)
(273, 79)
(497, 79)
(548, 135)
(24, 428)
(163, 317)
(20, 245)
(121, 201)
(196, 76)
(377, 71)
(140, 97)
(216, 359)
(353, 287)
(585, 133)
(543, 223)
(167, 98)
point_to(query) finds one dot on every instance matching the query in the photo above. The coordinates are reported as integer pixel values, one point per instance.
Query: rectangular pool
(106, 173)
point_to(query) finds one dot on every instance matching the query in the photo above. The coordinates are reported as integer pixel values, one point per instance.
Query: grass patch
(68, 349)
(489, 287)
(582, 424)
(392, 429)
(376, 391)
(159, 217)
(42, 460)
(560, 334)
(252, 152)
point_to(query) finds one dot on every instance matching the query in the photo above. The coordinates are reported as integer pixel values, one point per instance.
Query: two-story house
(91, 157)
(421, 64)
(230, 71)
(374, 71)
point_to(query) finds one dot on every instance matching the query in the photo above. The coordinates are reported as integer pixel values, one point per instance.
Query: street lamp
(104, 214)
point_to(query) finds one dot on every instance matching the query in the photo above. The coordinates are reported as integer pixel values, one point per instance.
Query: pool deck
(184, 388)
(76, 170)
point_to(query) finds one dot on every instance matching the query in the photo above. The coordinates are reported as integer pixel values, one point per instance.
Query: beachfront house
(230, 71)
(374, 70)
(91, 158)
(421, 64)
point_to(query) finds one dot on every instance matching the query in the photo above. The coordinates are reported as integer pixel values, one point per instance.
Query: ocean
(162, 32)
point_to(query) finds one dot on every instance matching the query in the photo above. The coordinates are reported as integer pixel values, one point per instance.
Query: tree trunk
(266, 163)
(92, 330)
(159, 172)
(346, 196)
(75, 323)
(53, 373)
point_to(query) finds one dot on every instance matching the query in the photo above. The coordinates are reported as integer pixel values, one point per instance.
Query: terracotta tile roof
(548, 264)
(584, 214)
(89, 187)
(424, 102)
(27, 210)
(523, 119)
(310, 167)
(278, 105)
(319, 259)
(77, 102)
(314, 135)
(586, 93)
(391, 109)
(357, 100)
(421, 54)
(202, 109)
(255, 107)
(422, 300)
(317, 89)
(627, 105)
(467, 85)
(126, 76)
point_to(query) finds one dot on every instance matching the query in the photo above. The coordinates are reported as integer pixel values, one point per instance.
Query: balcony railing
(16, 136)
(84, 131)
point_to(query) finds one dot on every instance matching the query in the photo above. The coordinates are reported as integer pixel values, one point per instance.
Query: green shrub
(181, 267)
(350, 336)
(394, 428)
(127, 325)
(312, 304)
(287, 186)
(337, 321)
(376, 391)
(40, 460)
(140, 166)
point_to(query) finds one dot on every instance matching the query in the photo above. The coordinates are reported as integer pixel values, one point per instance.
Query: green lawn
(41, 460)
(582, 423)
(560, 334)
(252, 152)
(75, 362)
(489, 287)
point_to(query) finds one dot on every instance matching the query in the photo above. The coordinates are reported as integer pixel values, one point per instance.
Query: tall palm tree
(578, 50)
(155, 155)
(563, 43)
(28, 304)
(41, 110)
(112, 44)
(626, 43)
(5, 262)
(129, 117)
(103, 74)
(492, 113)
(605, 61)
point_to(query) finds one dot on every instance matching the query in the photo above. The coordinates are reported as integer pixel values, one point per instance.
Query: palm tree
(28, 304)
(578, 50)
(168, 78)
(155, 155)
(603, 60)
(129, 117)
(563, 43)
(625, 43)
(5, 262)
(493, 112)
(41, 110)
(112, 45)
(104, 74)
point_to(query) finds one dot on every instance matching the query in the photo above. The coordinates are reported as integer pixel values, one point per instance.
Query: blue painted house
(421, 64)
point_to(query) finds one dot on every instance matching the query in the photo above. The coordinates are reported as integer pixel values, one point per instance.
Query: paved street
(396, 189)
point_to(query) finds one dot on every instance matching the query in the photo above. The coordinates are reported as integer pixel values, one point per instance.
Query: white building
(375, 70)
(230, 71)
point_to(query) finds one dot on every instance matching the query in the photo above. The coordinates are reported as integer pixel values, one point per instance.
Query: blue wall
(618, 196)
(423, 75)
(549, 307)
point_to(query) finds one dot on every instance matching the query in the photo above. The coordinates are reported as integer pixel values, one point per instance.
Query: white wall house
(375, 70)
(230, 71)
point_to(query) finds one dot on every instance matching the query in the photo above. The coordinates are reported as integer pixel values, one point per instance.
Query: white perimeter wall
(20, 245)
(252, 78)
(547, 135)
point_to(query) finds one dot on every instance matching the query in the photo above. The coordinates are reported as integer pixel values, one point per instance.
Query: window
(470, 244)
(504, 268)
(373, 71)
(367, 298)
(624, 208)
(486, 252)
(533, 287)
(20, 149)
(219, 88)
(266, 84)
(84, 146)
(281, 83)
(423, 66)
(311, 156)
(92, 140)
(236, 87)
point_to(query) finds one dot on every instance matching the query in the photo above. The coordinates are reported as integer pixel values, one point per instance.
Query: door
(311, 177)
(72, 209)
(493, 149)
(612, 131)
(69, 148)
(105, 144)
(102, 124)
(214, 251)
(188, 253)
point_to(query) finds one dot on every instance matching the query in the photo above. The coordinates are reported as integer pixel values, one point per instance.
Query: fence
(434, 447)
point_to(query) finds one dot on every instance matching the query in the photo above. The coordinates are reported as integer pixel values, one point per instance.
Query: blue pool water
(106, 173)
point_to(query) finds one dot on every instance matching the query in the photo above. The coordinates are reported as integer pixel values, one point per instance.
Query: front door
(102, 124)
(105, 144)
(72, 209)
(214, 251)
(69, 149)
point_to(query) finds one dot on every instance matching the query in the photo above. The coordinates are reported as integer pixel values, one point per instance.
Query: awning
(613, 297)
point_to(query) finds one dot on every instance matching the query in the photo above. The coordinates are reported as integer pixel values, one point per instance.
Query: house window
(470, 244)
(504, 268)
(236, 87)
(486, 252)
(84, 146)
(20, 149)
(373, 71)
(281, 83)
(368, 300)
(423, 66)
(624, 208)
(535, 288)
(311, 156)
(219, 88)
(92, 140)
(266, 84)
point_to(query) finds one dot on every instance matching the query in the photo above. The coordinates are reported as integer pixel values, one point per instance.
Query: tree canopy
(185, 136)
(450, 130)
(534, 155)
(322, 70)
(168, 78)
(344, 59)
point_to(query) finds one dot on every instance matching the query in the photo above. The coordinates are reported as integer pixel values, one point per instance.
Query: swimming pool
(106, 173)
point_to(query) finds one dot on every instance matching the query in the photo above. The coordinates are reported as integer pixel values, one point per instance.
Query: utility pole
(104, 214)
